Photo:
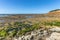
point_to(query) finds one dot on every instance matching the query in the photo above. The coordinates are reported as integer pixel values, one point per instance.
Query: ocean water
(4, 15)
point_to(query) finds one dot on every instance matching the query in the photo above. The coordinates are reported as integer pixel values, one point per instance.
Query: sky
(28, 6)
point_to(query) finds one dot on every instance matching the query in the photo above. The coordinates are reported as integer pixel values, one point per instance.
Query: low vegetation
(21, 28)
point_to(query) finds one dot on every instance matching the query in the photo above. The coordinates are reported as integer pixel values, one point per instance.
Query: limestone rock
(54, 36)
(56, 29)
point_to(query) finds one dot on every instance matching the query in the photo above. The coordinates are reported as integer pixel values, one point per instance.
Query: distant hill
(55, 12)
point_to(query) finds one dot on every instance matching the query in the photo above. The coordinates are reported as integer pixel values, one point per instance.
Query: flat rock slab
(54, 36)
(56, 29)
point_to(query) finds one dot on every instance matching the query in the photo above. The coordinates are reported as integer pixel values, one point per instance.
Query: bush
(3, 33)
(54, 23)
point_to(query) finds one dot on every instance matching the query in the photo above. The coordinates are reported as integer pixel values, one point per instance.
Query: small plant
(3, 33)
(54, 23)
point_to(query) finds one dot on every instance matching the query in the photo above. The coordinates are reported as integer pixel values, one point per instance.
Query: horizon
(20, 13)
(28, 6)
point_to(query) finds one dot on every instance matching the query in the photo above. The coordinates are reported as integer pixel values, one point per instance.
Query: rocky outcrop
(41, 34)
(54, 36)
(35, 35)
(56, 29)
(51, 34)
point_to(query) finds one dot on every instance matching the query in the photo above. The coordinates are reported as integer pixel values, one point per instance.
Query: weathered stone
(56, 29)
(54, 36)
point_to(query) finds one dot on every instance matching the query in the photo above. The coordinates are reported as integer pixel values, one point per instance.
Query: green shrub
(3, 33)
(54, 23)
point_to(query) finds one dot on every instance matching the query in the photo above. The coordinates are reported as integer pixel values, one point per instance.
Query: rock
(35, 35)
(56, 29)
(41, 34)
(54, 36)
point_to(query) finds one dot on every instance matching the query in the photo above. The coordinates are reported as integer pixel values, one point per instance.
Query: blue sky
(28, 6)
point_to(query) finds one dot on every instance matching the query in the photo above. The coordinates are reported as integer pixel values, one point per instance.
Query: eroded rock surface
(54, 36)
(41, 34)
(35, 35)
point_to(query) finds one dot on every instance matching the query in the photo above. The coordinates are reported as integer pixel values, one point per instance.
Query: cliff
(54, 12)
